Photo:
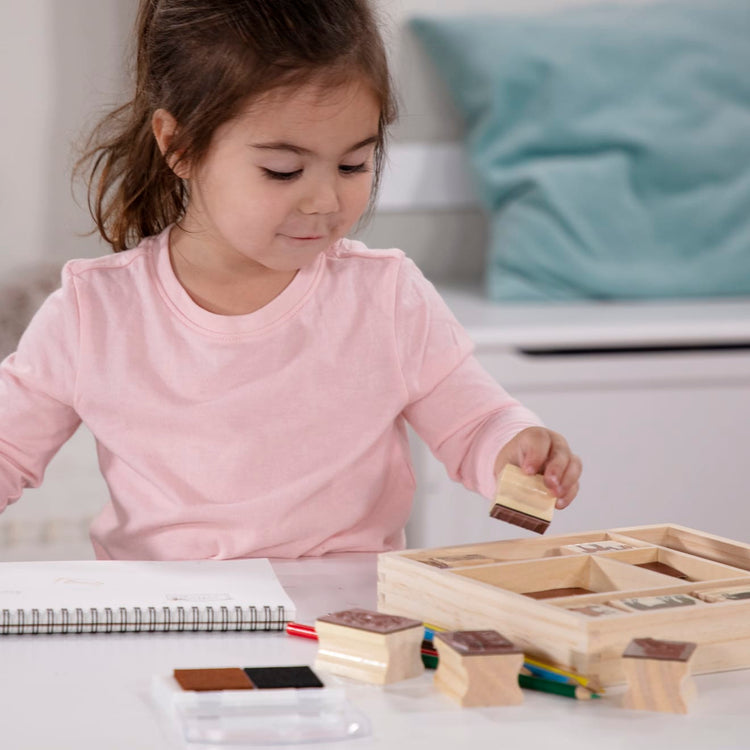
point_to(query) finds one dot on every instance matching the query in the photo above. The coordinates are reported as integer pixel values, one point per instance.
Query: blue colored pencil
(538, 671)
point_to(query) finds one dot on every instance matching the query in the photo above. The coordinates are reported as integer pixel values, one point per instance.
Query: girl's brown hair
(203, 61)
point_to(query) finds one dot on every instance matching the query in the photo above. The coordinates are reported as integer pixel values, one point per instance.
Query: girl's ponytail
(132, 193)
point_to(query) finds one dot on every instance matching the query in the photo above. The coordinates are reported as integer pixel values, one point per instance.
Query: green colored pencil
(559, 688)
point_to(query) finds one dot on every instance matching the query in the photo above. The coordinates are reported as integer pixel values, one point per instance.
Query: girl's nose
(321, 197)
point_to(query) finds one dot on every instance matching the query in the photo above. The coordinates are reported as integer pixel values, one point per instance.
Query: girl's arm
(466, 419)
(37, 385)
(471, 424)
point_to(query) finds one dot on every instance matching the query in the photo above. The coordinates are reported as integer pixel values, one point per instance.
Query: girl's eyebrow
(283, 146)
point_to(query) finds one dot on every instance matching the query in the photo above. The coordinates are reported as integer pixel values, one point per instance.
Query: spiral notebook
(102, 596)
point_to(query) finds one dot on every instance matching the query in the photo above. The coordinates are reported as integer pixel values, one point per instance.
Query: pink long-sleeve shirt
(281, 433)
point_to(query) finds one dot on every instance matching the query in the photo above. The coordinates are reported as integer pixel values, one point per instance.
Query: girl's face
(284, 180)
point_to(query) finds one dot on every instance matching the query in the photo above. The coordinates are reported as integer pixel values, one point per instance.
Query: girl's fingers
(533, 449)
(568, 497)
(540, 450)
(569, 484)
(557, 463)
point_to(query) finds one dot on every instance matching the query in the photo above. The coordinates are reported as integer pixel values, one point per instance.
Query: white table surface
(92, 691)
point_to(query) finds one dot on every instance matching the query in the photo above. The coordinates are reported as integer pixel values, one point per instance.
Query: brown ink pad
(200, 680)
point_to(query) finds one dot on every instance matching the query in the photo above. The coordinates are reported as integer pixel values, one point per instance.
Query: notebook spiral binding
(140, 619)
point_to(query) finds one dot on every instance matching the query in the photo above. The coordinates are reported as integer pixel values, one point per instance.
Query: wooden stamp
(478, 668)
(658, 675)
(369, 646)
(523, 500)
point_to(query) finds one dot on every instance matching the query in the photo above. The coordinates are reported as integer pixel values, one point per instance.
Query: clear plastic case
(258, 717)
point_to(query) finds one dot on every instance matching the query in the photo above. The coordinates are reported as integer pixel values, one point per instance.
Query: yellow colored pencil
(584, 681)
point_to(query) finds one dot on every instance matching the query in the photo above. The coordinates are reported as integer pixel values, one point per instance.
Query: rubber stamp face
(595, 610)
(738, 595)
(602, 546)
(735, 593)
(651, 648)
(457, 561)
(365, 619)
(644, 603)
(478, 642)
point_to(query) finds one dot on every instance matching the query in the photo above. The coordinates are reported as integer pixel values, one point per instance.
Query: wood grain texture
(658, 675)
(478, 676)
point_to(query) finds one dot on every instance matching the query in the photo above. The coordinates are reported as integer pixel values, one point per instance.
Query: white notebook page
(98, 584)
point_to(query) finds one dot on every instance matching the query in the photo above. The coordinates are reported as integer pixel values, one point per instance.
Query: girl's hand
(537, 450)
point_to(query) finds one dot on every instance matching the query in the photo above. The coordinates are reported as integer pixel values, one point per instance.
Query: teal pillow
(610, 144)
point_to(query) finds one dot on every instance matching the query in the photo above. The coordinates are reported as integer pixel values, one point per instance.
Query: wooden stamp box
(577, 600)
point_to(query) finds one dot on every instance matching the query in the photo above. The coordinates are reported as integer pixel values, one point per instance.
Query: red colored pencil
(303, 631)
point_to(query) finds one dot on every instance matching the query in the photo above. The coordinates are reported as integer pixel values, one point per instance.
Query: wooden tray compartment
(690, 541)
(660, 559)
(586, 573)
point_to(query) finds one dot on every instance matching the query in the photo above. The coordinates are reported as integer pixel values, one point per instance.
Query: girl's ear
(164, 127)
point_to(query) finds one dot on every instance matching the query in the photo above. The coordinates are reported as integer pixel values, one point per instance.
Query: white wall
(60, 60)
(26, 42)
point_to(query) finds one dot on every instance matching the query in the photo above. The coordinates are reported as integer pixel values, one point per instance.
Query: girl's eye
(282, 176)
(353, 168)
(345, 169)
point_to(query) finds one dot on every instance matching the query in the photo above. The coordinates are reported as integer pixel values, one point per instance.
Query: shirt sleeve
(455, 406)
(37, 391)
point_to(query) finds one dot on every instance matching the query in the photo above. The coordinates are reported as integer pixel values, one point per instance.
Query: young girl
(247, 372)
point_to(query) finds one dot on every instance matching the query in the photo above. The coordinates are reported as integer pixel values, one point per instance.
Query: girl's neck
(224, 287)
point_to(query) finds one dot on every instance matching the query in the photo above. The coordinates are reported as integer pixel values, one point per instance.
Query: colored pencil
(430, 630)
(551, 672)
(548, 674)
(557, 670)
(303, 631)
(558, 688)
